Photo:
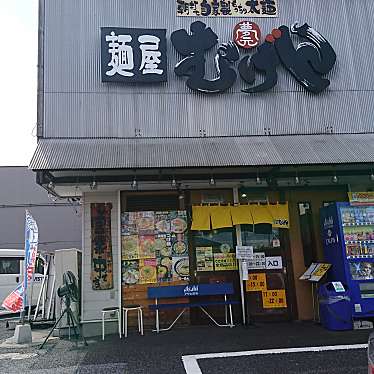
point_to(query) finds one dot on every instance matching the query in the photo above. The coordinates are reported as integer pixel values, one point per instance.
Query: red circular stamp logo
(247, 34)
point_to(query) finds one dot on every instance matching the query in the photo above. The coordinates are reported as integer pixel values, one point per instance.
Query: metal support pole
(239, 242)
(30, 298)
(41, 293)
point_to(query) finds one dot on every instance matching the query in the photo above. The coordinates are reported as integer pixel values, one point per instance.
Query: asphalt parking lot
(163, 353)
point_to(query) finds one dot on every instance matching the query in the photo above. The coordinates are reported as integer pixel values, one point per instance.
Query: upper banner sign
(361, 198)
(227, 8)
(133, 55)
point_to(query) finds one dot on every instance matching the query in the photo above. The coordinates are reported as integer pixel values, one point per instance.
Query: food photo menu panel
(154, 247)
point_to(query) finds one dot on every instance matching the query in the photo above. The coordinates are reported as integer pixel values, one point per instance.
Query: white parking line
(16, 356)
(192, 367)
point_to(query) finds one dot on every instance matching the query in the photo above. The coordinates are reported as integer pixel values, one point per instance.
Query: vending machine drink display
(348, 240)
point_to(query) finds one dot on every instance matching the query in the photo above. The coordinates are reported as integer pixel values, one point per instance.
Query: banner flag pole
(25, 271)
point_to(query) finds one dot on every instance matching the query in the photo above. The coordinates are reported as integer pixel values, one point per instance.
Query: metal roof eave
(199, 153)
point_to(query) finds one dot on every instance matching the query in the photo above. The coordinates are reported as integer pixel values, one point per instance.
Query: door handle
(17, 279)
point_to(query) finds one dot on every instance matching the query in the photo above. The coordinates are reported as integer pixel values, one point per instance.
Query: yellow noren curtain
(205, 218)
(280, 214)
(261, 214)
(241, 215)
(220, 217)
(200, 218)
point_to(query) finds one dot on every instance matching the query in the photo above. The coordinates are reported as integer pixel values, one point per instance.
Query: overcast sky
(18, 67)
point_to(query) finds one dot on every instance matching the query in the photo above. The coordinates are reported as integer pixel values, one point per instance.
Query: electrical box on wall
(67, 260)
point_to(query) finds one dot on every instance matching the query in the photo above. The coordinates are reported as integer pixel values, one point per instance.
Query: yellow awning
(200, 218)
(261, 214)
(281, 216)
(220, 217)
(241, 215)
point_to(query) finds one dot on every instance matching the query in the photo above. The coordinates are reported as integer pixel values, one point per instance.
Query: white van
(11, 274)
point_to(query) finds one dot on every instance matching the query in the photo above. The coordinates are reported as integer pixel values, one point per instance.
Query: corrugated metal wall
(78, 104)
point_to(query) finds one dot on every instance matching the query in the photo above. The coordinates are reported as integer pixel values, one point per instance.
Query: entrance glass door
(266, 288)
(213, 261)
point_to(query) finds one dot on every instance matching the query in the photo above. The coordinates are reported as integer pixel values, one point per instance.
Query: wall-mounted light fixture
(52, 197)
(258, 179)
(212, 181)
(93, 185)
(134, 184)
(335, 179)
(173, 183)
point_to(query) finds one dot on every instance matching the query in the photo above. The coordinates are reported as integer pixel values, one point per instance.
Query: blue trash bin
(335, 310)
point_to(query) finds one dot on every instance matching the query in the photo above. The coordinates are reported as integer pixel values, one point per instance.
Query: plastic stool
(125, 310)
(111, 309)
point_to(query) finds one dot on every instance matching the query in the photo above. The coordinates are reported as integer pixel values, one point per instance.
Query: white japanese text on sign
(257, 261)
(133, 55)
(227, 8)
(244, 252)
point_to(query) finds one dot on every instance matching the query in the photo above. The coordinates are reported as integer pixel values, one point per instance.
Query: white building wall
(93, 300)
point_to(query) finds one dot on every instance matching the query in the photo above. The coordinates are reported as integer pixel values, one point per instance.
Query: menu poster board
(315, 272)
(128, 223)
(130, 272)
(154, 247)
(145, 223)
(204, 259)
(162, 223)
(164, 269)
(147, 271)
(225, 261)
(162, 245)
(274, 299)
(181, 268)
(256, 282)
(130, 247)
(179, 245)
(146, 246)
(178, 221)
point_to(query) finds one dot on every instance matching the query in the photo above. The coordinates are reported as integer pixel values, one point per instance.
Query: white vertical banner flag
(16, 301)
(31, 249)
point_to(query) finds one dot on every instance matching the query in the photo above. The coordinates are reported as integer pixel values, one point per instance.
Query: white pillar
(239, 242)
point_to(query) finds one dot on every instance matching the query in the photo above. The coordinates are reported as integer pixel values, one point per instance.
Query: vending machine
(348, 240)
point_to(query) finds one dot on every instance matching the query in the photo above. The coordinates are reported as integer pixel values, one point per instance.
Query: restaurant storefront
(155, 117)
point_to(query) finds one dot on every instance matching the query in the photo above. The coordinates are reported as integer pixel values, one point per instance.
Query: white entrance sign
(274, 262)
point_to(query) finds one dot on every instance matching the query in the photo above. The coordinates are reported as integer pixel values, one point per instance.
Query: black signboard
(133, 55)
